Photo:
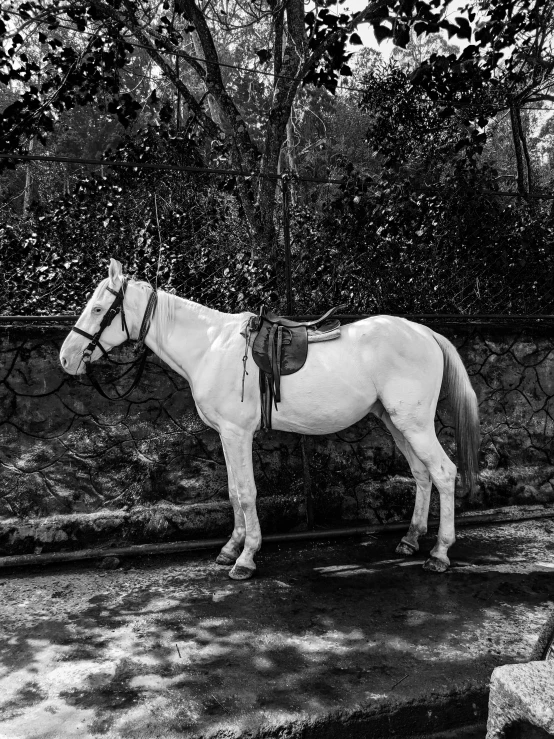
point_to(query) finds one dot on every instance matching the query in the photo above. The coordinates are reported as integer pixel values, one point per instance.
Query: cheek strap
(115, 308)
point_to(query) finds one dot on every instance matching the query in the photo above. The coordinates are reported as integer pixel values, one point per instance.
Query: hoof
(239, 572)
(434, 564)
(406, 549)
(225, 560)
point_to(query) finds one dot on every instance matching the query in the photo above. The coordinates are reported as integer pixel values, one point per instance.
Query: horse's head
(97, 331)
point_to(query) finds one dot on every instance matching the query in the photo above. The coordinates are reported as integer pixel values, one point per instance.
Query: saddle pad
(315, 337)
(327, 332)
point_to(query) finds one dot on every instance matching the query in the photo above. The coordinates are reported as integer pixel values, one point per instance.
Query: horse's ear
(115, 271)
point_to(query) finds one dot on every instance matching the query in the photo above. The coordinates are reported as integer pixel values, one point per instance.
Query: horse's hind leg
(443, 474)
(418, 525)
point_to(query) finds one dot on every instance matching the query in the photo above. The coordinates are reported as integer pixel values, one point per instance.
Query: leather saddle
(280, 347)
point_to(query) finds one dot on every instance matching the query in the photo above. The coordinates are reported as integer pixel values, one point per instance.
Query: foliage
(389, 248)
(424, 231)
(416, 224)
(176, 231)
(88, 65)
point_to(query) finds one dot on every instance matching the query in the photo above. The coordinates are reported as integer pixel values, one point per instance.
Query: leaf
(381, 33)
(464, 28)
(461, 144)
(401, 35)
(264, 55)
(355, 40)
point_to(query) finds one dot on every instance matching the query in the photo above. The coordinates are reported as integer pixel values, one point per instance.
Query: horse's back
(374, 358)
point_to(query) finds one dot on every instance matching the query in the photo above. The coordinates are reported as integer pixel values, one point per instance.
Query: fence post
(305, 448)
(177, 72)
(286, 236)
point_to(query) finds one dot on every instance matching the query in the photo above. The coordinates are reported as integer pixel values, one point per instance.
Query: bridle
(116, 307)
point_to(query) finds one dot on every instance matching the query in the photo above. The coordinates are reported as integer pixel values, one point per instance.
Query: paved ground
(330, 640)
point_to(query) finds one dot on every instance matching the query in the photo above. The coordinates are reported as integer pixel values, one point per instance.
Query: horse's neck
(182, 332)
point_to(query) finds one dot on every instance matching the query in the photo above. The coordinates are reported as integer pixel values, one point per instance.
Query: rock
(349, 507)
(545, 493)
(521, 693)
(527, 494)
(109, 563)
(157, 524)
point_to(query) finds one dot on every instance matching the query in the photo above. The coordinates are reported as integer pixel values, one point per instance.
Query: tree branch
(132, 24)
(214, 82)
(540, 99)
(373, 11)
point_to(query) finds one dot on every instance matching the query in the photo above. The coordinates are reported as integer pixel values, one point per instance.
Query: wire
(161, 167)
(230, 172)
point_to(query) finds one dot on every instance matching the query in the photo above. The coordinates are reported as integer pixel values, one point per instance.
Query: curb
(497, 516)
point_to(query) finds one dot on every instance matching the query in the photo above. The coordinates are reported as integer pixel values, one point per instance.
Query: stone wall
(77, 470)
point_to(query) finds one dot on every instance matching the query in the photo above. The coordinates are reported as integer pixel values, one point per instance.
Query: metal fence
(186, 233)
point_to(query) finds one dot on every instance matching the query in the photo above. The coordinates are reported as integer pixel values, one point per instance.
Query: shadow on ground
(327, 635)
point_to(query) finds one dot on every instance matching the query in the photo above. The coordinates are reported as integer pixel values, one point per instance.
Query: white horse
(383, 365)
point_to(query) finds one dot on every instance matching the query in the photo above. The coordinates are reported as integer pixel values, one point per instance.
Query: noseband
(115, 308)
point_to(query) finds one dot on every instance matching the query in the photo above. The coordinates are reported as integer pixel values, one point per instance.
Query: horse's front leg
(231, 551)
(237, 446)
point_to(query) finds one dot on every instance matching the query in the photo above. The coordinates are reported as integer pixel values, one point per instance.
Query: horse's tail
(466, 412)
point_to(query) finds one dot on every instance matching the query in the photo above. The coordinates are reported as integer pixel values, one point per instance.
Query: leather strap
(140, 362)
(147, 319)
(277, 368)
(115, 308)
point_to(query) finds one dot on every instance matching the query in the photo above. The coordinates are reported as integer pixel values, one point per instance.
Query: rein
(140, 362)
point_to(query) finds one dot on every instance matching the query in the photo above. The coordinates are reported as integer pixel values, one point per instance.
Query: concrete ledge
(140, 524)
(521, 694)
(429, 716)
(165, 522)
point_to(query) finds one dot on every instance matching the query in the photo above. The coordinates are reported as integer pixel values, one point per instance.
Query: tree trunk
(291, 157)
(520, 147)
(66, 180)
(178, 111)
(28, 182)
(215, 113)
(525, 152)
(284, 93)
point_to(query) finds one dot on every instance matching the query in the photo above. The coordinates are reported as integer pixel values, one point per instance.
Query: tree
(507, 63)
(85, 67)
(86, 64)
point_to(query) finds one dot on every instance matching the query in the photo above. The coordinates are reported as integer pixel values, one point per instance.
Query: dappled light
(173, 646)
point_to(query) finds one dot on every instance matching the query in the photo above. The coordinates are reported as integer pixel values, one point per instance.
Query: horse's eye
(97, 310)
